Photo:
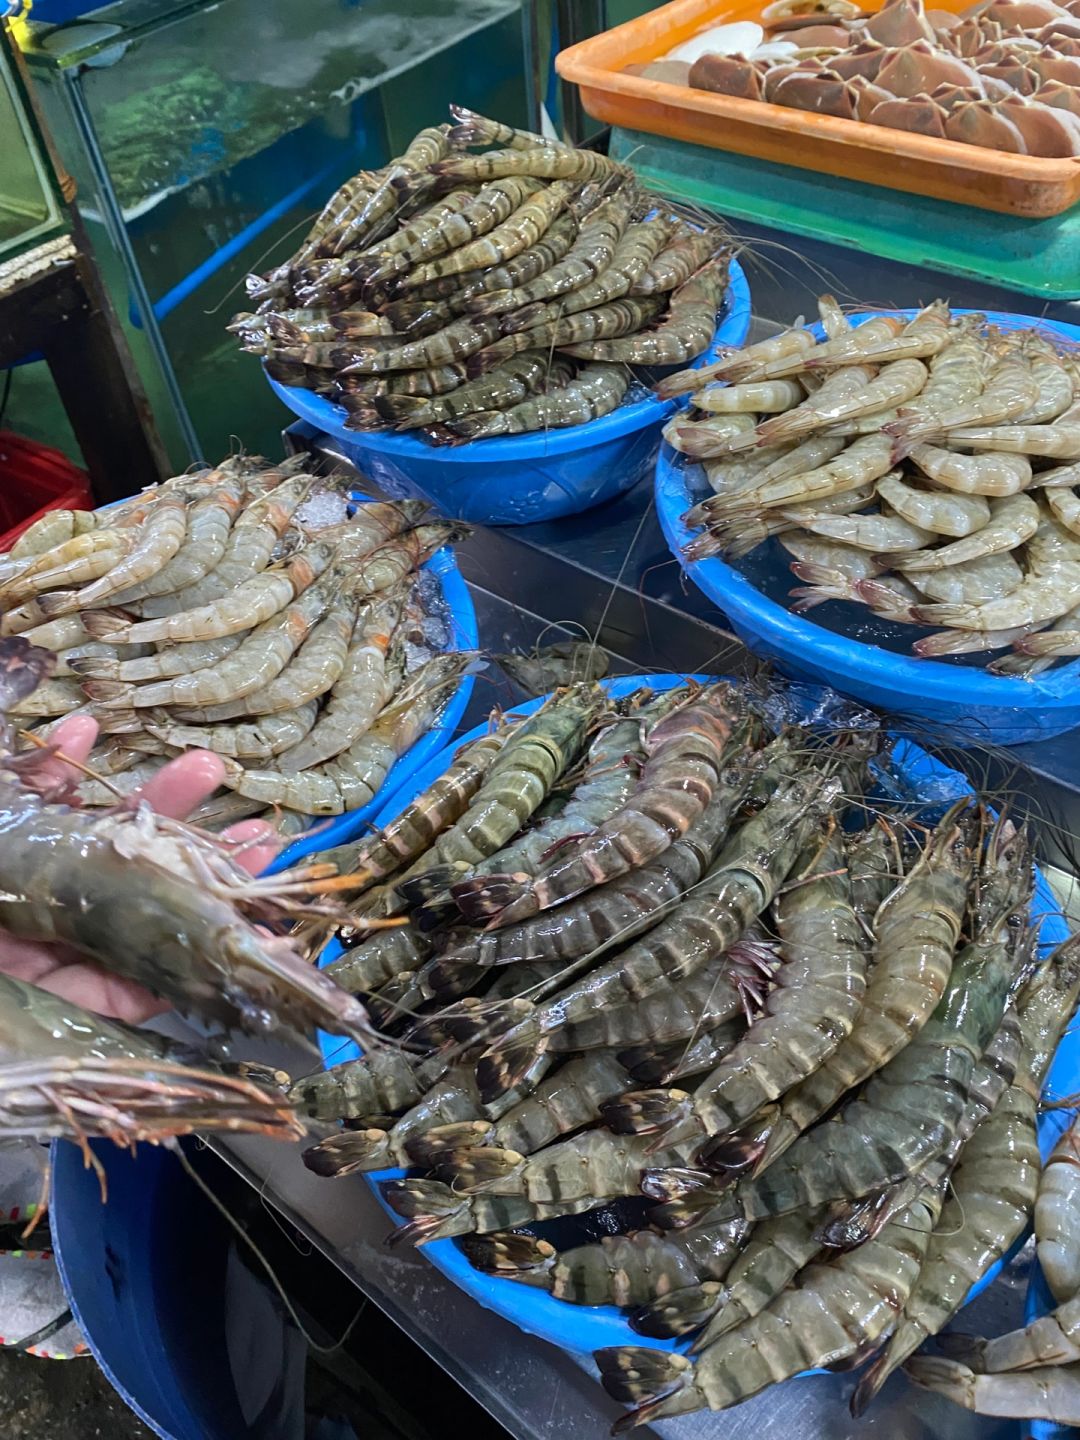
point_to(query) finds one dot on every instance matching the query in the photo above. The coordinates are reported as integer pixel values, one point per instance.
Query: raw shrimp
(258, 739)
(881, 533)
(352, 779)
(814, 1004)
(597, 390)
(518, 231)
(915, 934)
(837, 1307)
(678, 261)
(385, 1081)
(859, 346)
(158, 539)
(1010, 389)
(502, 387)
(359, 692)
(865, 460)
(87, 557)
(209, 523)
(1013, 520)
(550, 162)
(473, 129)
(52, 529)
(740, 884)
(159, 664)
(768, 397)
(1059, 441)
(435, 1211)
(893, 385)
(638, 246)
(252, 540)
(1049, 1394)
(1048, 589)
(988, 474)
(623, 908)
(65, 1072)
(934, 510)
(1057, 1213)
(591, 253)
(684, 332)
(685, 753)
(1065, 507)
(797, 341)
(411, 833)
(252, 665)
(621, 317)
(311, 671)
(154, 903)
(620, 1270)
(536, 753)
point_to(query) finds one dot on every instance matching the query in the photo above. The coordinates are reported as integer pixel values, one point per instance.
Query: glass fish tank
(30, 207)
(205, 136)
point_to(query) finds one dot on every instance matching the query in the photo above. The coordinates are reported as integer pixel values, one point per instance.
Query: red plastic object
(36, 478)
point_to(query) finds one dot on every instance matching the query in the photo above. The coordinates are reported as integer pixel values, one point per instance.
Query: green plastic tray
(1034, 257)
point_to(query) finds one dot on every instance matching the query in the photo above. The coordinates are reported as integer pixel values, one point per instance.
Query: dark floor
(61, 1400)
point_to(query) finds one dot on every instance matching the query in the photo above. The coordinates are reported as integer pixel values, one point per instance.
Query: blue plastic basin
(525, 478)
(584, 1329)
(965, 700)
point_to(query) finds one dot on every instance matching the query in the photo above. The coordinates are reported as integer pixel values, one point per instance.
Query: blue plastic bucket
(520, 479)
(144, 1272)
(964, 699)
(583, 1329)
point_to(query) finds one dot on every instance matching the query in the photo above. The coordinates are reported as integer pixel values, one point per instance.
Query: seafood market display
(465, 295)
(922, 468)
(1002, 74)
(250, 609)
(681, 961)
(162, 903)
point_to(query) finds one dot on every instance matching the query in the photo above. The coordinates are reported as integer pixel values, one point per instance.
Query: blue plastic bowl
(972, 704)
(525, 478)
(583, 1329)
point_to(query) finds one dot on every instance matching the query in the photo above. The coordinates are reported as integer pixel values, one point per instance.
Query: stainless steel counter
(610, 573)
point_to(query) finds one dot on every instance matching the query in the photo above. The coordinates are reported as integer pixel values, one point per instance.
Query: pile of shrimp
(925, 469)
(468, 295)
(163, 904)
(678, 949)
(1002, 74)
(248, 609)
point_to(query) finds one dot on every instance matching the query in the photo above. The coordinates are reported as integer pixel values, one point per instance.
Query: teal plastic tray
(1034, 257)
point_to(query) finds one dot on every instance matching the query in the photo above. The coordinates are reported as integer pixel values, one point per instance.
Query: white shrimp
(52, 529)
(61, 634)
(1065, 506)
(363, 688)
(971, 642)
(1013, 520)
(210, 522)
(986, 474)
(161, 664)
(352, 779)
(1048, 589)
(704, 438)
(86, 557)
(250, 667)
(52, 697)
(259, 739)
(989, 577)
(893, 385)
(1058, 475)
(865, 460)
(252, 541)
(934, 510)
(767, 398)
(880, 533)
(1056, 442)
(158, 540)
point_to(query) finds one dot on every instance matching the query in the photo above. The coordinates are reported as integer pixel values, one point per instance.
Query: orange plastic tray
(945, 169)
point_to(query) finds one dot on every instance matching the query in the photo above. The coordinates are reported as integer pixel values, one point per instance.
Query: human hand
(175, 791)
